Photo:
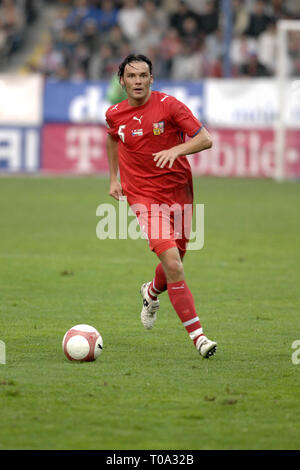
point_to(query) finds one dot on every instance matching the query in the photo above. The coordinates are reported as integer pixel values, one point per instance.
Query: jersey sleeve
(111, 126)
(183, 118)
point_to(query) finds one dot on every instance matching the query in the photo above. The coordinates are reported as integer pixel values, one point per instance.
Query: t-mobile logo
(83, 146)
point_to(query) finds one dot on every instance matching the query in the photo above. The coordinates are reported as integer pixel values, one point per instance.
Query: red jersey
(159, 124)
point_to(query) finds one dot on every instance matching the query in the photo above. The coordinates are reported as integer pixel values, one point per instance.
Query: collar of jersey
(142, 105)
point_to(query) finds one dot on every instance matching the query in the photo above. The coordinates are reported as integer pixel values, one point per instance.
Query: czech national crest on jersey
(158, 127)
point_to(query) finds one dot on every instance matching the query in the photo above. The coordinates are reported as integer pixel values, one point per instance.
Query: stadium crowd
(16, 16)
(183, 38)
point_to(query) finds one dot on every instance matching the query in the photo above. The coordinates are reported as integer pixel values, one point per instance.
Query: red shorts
(166, 219)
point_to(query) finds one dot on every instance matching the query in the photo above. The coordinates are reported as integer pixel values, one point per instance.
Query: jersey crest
(158, 127)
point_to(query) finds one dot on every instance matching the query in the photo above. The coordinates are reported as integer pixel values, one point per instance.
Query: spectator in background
(162, 68)
(108, 15)
(187, 66)
(67, 41)
(156, 18)
(267, 47)
(62, 74)
(241, 48)
(31, 11)
(168, 31)
(123, 51)
(258, 21)
(169, 6)
(59, 22)
(209, 21)
(51, 60)
(181, 13)
(116, 39)
(293, 8)
(146, 39)
(190, 34)
(152, 32)
(214, 52)
(130, 19)
(90, 35)
(103, 64)
(253, 68)
(12, 23)
(78, 62)
(198, 6)
(2, 41)
(169, 48)
(240, 17)
(278, 10)
(294, 47)
(3, 45)
(80, 13)
(296, 67)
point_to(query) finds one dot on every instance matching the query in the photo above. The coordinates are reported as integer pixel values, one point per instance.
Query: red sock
(183, 303)
(159, 283)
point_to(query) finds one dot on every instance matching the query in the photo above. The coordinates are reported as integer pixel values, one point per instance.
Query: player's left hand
(165, 156)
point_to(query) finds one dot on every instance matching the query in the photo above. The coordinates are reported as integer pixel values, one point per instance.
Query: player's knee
(174, 270)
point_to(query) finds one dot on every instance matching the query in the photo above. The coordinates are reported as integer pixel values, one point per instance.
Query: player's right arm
(115, 189)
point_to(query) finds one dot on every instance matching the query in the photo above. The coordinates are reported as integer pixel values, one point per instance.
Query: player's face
(137, 80)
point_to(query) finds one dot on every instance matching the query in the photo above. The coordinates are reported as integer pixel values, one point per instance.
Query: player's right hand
(116, 191)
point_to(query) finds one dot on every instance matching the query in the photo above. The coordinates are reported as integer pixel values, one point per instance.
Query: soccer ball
(82, 343)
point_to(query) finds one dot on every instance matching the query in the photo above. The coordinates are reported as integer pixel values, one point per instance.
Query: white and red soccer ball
(82, 343)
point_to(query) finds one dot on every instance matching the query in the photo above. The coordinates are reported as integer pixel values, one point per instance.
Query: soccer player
(146, 144)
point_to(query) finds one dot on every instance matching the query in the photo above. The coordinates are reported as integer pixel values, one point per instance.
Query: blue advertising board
(19, 149)
(86, 102)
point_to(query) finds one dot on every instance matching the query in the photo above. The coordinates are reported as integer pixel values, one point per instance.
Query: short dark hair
(134, 58)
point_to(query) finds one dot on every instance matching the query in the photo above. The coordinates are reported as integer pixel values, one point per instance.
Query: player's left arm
(199, 142)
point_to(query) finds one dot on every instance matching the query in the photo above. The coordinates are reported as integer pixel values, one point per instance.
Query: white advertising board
(21, 100)
(249, 103)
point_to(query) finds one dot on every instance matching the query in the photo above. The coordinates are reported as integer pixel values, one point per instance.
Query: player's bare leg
(151, 290)
(183, 302)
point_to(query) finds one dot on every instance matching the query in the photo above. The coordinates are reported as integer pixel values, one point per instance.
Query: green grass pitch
(148, 389)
